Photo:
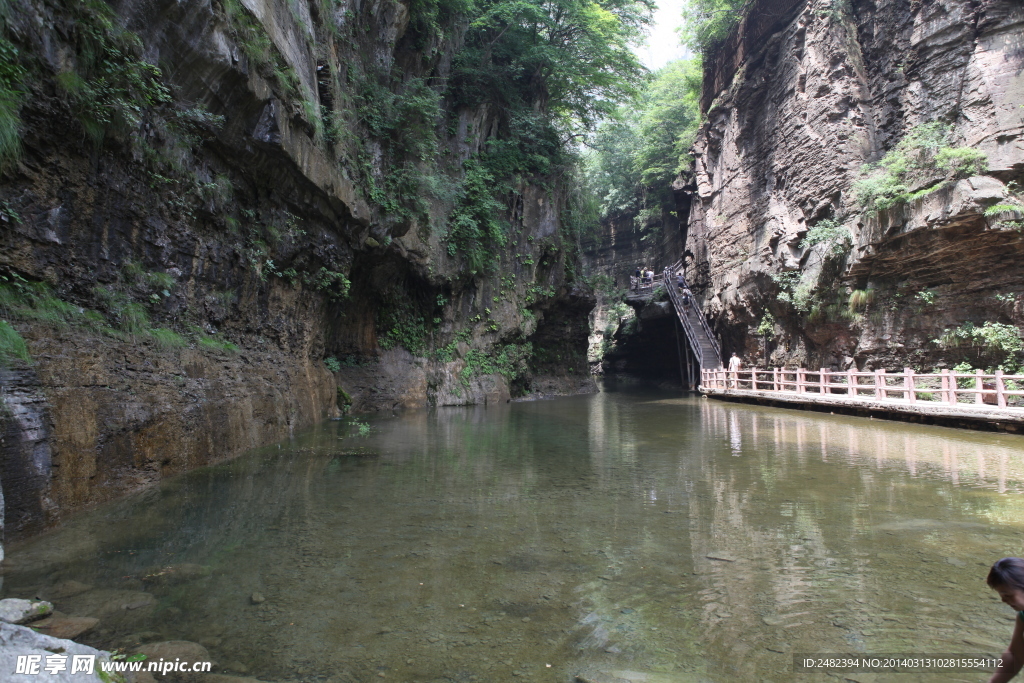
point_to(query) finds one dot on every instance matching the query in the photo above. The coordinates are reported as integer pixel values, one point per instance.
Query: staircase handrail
(701, 318)
(691, 334)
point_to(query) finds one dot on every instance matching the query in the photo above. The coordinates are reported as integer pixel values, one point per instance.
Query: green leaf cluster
(922, 162)
(109, 86)
(476, 229)
(11, 97)
(990, 336)
(636, 155)
(708, 22)
(568, 59)
(836, 238)
(511, 361)
(12, 345)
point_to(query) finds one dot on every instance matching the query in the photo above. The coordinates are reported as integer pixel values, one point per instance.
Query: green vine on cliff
(110, 86)
(999, 342)
(510, 361)
(11, 97)
(920, 163)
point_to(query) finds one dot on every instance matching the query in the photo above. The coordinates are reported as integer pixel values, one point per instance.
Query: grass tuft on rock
(12, 346)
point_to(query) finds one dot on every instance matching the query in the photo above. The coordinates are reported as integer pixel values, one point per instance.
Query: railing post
(1000, 389)
(880, 391)
(753, 378)
(801, 377)
(947, 395)
(823, 380)
(851, 384)
(775, 379)
(979, 384)
(908, 383)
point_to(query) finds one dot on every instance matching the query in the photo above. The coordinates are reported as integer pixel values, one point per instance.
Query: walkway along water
(964, 399)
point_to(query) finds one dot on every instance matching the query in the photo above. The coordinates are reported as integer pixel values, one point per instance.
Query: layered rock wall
(797, 101)
(189, 267)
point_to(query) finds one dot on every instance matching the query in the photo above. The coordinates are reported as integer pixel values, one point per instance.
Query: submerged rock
(721, 557)
(67, 589)
(18, 611)
(114, 607)
(61, 625)
(175, 574)
(17, 641)
(183, 651)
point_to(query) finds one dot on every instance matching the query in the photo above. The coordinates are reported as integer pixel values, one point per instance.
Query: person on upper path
(680, 281)
(636, 279)
(1007, 578)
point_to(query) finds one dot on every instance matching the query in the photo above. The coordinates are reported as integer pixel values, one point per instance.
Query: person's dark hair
(1007, 572)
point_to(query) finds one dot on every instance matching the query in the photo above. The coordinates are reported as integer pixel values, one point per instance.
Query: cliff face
(797, 101)
(183, 248)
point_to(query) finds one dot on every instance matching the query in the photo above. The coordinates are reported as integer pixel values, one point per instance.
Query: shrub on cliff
(998, 342)
(12, 346)
(921, 163)
(11, 96)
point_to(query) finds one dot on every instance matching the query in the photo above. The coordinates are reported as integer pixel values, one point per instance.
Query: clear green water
(622, 536)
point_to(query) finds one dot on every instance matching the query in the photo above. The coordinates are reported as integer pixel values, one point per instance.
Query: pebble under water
(624, 536)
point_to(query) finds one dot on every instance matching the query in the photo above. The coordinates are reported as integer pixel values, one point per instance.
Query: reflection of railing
(946, 387)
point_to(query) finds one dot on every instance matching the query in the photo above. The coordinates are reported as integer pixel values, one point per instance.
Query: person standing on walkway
(636, 279)
(1007, 578)
(734, 367)
(680, 281)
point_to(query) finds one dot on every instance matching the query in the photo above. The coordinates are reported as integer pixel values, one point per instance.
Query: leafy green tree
(551, 69)
(667, 123)
(708, 22)
(636, 155)
(569, 61)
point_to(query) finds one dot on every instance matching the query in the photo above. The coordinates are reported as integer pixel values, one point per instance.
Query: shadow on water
(631, 535)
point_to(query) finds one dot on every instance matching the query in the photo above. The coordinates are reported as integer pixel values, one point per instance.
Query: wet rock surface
(227, 260)
(20, 641)
(796, 103)
(62, 626)
(18, 611)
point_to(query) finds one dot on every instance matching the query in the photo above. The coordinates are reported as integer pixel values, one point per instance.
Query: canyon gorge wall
(221, 226)
(796, 101)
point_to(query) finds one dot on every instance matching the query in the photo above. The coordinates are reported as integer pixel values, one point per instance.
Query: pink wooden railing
(909, 386)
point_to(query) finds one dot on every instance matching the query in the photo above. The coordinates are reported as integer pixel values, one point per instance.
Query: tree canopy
(568, 62)
(638, 154)
(707, 22)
